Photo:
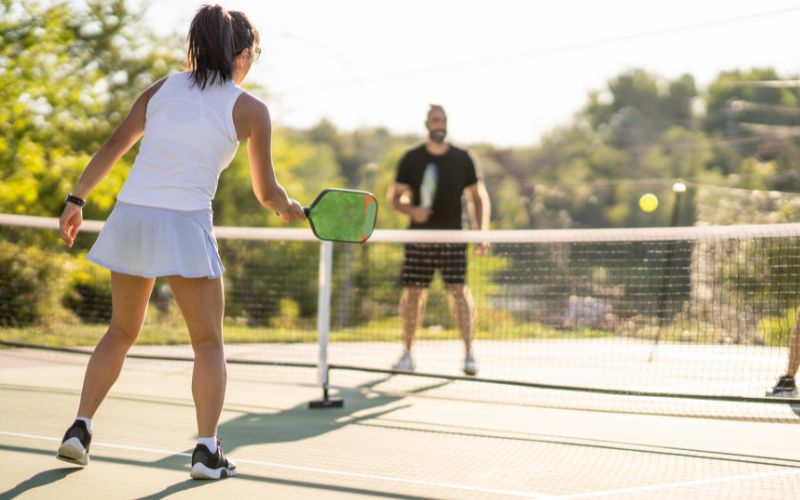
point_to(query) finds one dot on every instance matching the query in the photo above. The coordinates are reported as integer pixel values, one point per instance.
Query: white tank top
(189, 139)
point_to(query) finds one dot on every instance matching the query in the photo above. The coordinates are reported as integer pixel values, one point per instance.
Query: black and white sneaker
(207, 465)
(785, 388)
(75, 445)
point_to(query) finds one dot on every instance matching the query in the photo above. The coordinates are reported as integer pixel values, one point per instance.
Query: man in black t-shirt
(431, 179)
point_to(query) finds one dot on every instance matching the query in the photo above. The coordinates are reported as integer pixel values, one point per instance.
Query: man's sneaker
(785, 388)
(75, 445)
(207, 465)
(405, 363)
(470, 365)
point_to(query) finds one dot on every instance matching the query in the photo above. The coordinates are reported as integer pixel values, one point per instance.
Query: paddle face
(343, 215)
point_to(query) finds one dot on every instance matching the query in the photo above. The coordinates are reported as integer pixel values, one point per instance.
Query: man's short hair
(433, 107)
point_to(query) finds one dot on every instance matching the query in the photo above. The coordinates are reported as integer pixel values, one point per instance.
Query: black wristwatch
(74, 199)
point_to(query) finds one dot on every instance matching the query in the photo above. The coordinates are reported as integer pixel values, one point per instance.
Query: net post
(324, 325)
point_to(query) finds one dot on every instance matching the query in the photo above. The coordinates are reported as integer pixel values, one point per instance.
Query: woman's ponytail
(211, 48)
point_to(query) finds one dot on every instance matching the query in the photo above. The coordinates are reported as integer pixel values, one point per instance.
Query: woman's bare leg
(129, 296)
(202, 303)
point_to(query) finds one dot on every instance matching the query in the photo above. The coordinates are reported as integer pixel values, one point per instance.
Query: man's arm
(479, 207)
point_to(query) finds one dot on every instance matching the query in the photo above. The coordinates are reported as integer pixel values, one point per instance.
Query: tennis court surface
(396, 437)
(613, 364)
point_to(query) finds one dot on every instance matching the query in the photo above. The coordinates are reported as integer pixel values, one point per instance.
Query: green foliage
(638, 108)
(510, 206)
(287, 316)
(732, 86)
(776, 330)
(69, 73)
(67, 77)
(88, 293)
(259, 275)
(641, 134)
(375, 284)
(27, 284)
(302, 167)
(356, 150)
(482, 280)
(19, 283)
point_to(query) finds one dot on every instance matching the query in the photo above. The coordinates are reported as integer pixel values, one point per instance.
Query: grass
(169, 329)
(172, 333)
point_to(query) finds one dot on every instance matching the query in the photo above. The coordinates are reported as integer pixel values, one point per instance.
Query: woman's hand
(71, 219)
(294, 213)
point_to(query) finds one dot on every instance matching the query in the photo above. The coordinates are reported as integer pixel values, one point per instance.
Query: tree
(750, 116)
(67, 78)
(746, 96)
(638, 107)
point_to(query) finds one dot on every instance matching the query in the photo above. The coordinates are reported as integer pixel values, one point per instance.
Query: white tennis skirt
(152, 242)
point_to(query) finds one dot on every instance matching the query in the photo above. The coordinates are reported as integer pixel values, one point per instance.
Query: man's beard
(437, 136)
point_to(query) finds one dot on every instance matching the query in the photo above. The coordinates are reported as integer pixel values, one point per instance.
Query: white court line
(297, 468)
(612, 492)
(682, 484)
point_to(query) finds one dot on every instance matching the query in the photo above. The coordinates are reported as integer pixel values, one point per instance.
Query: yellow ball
(648, 202)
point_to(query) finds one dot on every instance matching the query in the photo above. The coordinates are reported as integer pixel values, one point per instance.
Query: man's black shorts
(423, 259)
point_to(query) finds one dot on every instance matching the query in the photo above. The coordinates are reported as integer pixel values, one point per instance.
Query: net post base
(326, 401)
(321, 404)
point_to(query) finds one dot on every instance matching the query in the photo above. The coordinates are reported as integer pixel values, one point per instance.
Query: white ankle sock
(87, 421)
(209, 442)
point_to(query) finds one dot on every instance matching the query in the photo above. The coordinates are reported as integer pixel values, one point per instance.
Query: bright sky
(507, 71)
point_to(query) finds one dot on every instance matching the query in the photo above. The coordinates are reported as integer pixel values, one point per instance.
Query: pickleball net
(693, 320)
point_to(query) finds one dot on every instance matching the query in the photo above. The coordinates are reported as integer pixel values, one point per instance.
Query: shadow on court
(258, 431)
(190, 483)
(299, 423)
(41, 479)
(247, 429)
(294, 424)
(175, 462)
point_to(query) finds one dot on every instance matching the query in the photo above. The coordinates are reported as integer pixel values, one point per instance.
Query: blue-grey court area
(603, 363)
(396, 437)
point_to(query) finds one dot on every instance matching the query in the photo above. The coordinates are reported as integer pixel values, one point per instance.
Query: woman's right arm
(124, 137)
(252, 121)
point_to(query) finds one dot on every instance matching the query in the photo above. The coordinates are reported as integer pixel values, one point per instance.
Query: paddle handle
(306, 210)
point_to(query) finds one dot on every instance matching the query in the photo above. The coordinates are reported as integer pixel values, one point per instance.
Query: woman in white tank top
(190, 125)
